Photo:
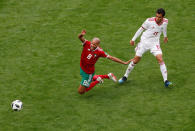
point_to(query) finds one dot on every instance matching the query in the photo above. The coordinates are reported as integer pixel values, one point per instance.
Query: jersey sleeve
(145, 25)
(138, 33)
(165, 23)
(103, 54)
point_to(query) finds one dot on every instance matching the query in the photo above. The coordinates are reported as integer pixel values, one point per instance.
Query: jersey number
(155, 33)
(89, 56)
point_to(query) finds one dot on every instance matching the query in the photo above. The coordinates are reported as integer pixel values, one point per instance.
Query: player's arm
(118, 60)
(144, 26)
(81, 36)
(165, 33)
(137, 34)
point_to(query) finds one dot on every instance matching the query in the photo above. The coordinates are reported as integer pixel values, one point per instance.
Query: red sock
(102, 76)
(91, 85)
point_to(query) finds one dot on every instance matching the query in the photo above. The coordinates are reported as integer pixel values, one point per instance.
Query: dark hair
(161, 11)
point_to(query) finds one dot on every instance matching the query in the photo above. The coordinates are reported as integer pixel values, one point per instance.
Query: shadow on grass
(111, 92)
(129, 82)
(115, 91)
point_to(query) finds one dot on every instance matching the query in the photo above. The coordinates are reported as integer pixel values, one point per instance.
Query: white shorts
(143, 47)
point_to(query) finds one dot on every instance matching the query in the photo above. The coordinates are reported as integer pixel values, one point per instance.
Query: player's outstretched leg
(98, 80)
(108, 76)
(131, 65)
(112, 76)
(101, 76)
(128, 71)
(82, 89)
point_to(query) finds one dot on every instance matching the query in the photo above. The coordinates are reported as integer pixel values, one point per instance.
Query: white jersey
(153, 30)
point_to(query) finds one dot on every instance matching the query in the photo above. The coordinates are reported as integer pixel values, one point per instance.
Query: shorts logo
(85, 83)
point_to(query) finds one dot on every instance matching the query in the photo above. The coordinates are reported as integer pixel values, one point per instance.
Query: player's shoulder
(165, 20)
(101, 52)
(86, 43)
(99, 49)
(151, 19)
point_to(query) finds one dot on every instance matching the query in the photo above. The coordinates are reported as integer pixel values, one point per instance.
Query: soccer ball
(16, 105)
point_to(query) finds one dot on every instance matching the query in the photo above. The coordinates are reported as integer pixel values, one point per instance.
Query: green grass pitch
(39, 64)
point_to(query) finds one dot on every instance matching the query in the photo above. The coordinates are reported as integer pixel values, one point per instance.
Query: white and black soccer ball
(16, 105)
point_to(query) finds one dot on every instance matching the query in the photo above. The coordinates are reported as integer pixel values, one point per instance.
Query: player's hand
(132, 42)
(128, 62)
(165, 40)
(83, 32)
(80, 36)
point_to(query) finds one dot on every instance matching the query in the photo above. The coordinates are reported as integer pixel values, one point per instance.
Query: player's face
(94, 45)
(159, 18)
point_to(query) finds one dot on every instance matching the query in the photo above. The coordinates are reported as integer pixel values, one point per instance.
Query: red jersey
(89, 57)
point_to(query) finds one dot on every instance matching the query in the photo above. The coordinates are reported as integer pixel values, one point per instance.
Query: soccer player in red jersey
(90, 54)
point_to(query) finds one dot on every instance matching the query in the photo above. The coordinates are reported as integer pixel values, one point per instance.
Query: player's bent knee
(160, 61)
(136, 59)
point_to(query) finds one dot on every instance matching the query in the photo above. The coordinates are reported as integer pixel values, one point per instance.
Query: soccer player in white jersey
(150, 41)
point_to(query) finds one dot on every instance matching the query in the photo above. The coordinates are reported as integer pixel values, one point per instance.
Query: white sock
(163, 70)
(129, 69)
